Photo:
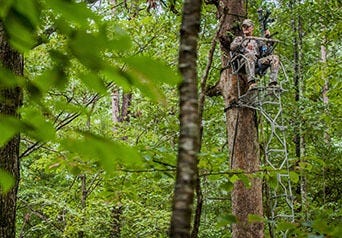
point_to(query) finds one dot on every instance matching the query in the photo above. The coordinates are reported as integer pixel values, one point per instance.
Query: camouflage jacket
(240, 45)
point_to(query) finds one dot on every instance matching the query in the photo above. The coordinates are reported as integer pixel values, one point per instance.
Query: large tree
(10, 100)
(241, 127)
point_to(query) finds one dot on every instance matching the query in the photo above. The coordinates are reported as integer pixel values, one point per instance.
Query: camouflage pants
(273, 62)
(270, 60)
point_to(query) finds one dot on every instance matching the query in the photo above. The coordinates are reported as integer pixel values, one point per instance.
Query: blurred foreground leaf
(6, 181)
(110, 154)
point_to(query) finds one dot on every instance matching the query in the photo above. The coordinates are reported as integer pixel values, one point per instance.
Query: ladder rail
(268, 102)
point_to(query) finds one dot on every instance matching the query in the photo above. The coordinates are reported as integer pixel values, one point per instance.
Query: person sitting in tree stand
(255, 54)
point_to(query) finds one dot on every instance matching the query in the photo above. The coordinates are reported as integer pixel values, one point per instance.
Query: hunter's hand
(250, 46)
(267, 34)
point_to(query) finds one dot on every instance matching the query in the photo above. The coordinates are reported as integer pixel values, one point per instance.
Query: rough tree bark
(116, 221)
(189, 122)
(10, 101)
(241, 129)
(120, 110)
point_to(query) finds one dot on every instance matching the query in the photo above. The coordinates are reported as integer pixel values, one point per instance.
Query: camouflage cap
(247, 22)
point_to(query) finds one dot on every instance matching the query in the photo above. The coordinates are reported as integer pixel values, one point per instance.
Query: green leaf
(294, 177)
(234, 178)
(118, 77)
(36, 125)
(8, 79)
(226, 220)
(148, 76)
(153, 70)
(6, 181)
(9, 126)
(20, 31)
(45, 82)
(116, 38)
(76, 13)
(87, 47)
(283, 226)
(246, 181)
(255, 218)
(30, 9)
(4, 7)
(94, 82)
(63, 105)
(227, 186)
(109, 153)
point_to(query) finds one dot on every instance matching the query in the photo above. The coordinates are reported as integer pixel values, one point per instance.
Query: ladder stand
(267, 101)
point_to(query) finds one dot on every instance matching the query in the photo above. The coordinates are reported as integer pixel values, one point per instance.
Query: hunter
(254, 58)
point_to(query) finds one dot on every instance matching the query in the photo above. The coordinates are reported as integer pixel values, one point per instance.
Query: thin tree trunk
(126, 102)
(326, 104)
(120, 109)
(298, 138)
(115, 105)
(84, 194)
(186, 176)
(10, 101)
(84, 190)
(201, 101)
(116, 223)
(296, 76)
(241, 131)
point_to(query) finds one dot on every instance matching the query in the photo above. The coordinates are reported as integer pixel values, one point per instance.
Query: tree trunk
(120, 110)
(10, 101)
(126, 102)
(115, 105)
(298, 137)
(84, 195)
(241, 129)
(325, 99)
(116, 222)
(189, 122)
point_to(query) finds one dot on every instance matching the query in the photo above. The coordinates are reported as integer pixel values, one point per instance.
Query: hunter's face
(247, 30)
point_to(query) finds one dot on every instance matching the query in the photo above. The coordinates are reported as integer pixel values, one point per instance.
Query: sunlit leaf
(294, 177)
(234, 178)
(77, 13)
(116, 38)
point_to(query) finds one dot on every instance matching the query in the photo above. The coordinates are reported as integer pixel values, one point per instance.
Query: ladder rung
(285, 216)
(283, 175)
(276, 150)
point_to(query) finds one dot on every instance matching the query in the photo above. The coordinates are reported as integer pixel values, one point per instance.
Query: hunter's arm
(236, 43)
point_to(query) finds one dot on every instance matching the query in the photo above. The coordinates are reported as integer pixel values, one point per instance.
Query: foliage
(74, 55)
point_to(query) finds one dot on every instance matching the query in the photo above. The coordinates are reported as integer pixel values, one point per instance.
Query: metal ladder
(267, 101)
